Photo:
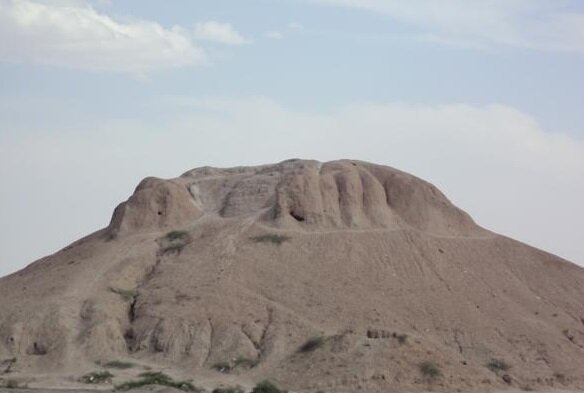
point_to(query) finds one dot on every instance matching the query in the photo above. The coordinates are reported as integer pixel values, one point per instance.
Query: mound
(338, 276)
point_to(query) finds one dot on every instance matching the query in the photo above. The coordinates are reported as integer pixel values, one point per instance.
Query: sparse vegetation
(496, 365)
(177, 235)
(119, 365)
(242, 361)
(126, 294)
(429, 370)
(271, 238)
(97, 377)
(236, 389)
(157, 378)
(222, 367)
(173, 248)
(11, 384)
(312, 344)
(266, 387)
(174, 242)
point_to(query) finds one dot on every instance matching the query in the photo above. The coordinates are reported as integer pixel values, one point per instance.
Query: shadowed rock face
(243, 265)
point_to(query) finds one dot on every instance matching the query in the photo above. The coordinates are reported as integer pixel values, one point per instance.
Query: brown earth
(236, 269)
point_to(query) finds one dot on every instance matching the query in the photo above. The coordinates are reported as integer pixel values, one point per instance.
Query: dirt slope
(242, 266)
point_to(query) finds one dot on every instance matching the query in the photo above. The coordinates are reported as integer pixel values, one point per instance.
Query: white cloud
(536, 24)
(292, 27)
(222, 33)
(295, 26)
(494, 161)
(275, 35)
(74, 34)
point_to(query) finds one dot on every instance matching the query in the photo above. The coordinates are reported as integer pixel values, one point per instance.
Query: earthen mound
(341, 276)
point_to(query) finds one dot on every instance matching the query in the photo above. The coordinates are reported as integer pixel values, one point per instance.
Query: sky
(483, 99)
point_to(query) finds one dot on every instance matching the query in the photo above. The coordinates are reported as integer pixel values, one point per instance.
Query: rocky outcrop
(156, 205)
(310, 195)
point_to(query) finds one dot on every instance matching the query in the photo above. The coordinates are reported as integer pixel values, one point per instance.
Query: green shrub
(312, 344)
(119, 365)
(429, 370)
(242, 361)
(177, 235)
(498, 365)
(235, 389)
(157, 378)
(97, 377)
(270, 238)
(266, 387)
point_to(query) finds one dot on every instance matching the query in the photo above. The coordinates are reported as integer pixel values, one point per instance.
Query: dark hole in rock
(159, 213)
(297, 216)
(130, 338)
(38, 349)
(132, 310)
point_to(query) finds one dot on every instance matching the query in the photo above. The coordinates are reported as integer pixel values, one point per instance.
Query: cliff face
(242, 266)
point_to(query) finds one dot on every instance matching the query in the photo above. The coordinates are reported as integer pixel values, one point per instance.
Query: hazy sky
(485, 99)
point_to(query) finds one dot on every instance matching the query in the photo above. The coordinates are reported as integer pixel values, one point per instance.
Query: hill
(339, 277)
